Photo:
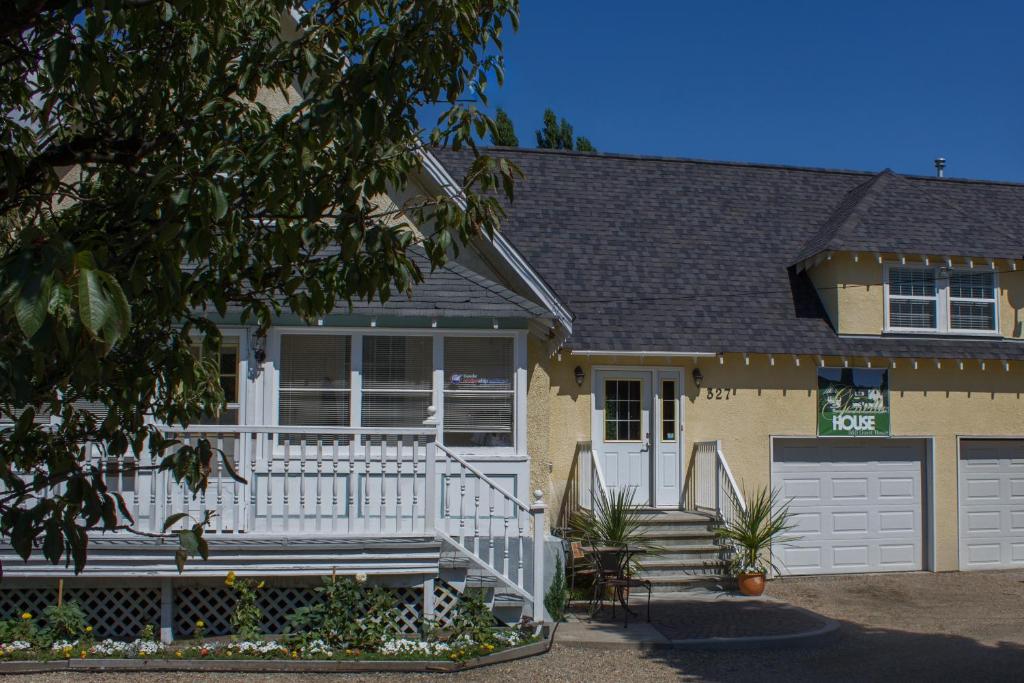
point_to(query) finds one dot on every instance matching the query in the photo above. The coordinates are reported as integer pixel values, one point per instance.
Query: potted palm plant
(615, 522)
(751, 534)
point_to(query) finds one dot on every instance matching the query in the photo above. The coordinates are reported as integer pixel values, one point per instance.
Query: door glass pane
(622, 410)
(668, 410)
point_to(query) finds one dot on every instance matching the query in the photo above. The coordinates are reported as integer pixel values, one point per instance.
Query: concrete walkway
(697, 618)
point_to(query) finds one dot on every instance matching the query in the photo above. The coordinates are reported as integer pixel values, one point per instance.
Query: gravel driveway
(949, 627)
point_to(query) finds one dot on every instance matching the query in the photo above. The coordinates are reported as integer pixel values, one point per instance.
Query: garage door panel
(991, 504)
(868, 516)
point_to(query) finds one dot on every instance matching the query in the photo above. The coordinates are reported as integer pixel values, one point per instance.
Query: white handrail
(484, 478)
(737, 493)
(297, 429)
(596, 463)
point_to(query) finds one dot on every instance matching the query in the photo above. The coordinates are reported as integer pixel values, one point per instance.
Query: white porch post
(428, 600)
(166, 611)
(430, 496)
(537, 512)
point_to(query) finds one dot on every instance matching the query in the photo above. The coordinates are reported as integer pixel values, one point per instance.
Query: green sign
(853, 402)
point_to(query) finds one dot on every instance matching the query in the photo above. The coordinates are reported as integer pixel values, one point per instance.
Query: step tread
(695, 549)
(679, 533)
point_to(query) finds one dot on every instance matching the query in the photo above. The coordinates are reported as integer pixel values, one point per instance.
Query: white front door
(623, 431)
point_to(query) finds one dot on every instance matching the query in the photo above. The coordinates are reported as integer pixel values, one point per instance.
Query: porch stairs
(689, 555)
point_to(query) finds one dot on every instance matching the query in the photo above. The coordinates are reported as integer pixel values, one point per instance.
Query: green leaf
(229, 465)
(93, 305)
(30, 307)
(174, 519)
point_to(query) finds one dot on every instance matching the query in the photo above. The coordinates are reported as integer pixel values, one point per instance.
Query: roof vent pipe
(940, 166)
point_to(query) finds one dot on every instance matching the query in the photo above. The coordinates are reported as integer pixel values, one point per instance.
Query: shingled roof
(674, 255)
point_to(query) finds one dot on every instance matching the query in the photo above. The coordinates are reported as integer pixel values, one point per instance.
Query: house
(688, 330)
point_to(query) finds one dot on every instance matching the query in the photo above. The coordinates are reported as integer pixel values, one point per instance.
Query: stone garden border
(137, 665)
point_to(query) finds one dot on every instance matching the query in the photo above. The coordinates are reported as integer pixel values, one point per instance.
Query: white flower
(361, 577)
(16, 645)
(256, 647)
(404, 646)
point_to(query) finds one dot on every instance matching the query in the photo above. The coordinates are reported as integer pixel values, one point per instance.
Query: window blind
(972, 304)
(397, 380)
(479, 381)
(913, 298)
(315, 387)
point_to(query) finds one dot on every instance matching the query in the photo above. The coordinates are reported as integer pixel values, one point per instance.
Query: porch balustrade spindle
(319, 478)
(519, 532)
(168, 493)
(366, 481)
(286, 522)
(398, 484)
(505, 561)
(383, 479)
(218, 455)
(476, 516)
(335, 466)
(490, 527)
(350, 484)
(255, 447)
(415, 482)
(303, 454)
(446, 478)
(462, 506)
(152, 478)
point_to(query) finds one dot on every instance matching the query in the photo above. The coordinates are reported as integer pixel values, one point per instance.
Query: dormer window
(940, 300)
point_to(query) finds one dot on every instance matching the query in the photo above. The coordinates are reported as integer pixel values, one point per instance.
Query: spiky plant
(753, 531)
(615, 522)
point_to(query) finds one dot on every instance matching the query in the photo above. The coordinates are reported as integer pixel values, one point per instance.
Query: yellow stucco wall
(854, 298)
(765, 401)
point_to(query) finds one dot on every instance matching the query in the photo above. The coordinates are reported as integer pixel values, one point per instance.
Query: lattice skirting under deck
(123, 611)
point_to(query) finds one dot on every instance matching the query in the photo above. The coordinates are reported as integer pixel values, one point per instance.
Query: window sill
(941, 334)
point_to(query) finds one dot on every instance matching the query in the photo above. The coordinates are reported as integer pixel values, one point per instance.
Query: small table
(615, 571)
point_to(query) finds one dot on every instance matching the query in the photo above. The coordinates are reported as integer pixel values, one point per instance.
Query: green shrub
(65, 622)
(473, 618)
(348, 614)
(558, 593)
(247, 617)
(20, 627)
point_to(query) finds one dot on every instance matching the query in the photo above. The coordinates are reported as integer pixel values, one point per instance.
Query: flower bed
(401, 649)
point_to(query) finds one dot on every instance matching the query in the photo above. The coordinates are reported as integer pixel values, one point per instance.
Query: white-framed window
(479, 391)
(390, 379)
(315, 384)
(397, 386)
(932, 299)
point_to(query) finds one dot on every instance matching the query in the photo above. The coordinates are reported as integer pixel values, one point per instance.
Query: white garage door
(857, 505)
(991, 504)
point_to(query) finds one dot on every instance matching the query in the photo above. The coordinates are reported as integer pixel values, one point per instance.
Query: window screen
(315, 386)
(397, 381)
(479, 388)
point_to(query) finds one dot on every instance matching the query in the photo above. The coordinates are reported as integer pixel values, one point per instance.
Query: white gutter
(504, 248)
(653, 354)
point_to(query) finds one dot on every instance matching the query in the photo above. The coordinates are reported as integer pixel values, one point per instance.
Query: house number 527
(719, 394)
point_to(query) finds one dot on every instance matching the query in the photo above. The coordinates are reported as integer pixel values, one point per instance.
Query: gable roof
(453, 291)
(895, 213)
(656, 254)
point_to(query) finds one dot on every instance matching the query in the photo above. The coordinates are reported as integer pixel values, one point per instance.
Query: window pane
(479, 398)
(964, 285)
(911, 282)
(912, 313)
(315, 361)
(965, 315)
(314, 387)
(314, 408)
(395, 409)
(480, 363)
(668, 411)
(622, 410)
(397, 362)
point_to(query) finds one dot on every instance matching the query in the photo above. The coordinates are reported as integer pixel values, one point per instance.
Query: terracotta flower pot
(751, 584)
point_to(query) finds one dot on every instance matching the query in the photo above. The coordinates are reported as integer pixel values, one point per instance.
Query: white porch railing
(710, 486)
(346, 482)
(589, 485)
(489, 525)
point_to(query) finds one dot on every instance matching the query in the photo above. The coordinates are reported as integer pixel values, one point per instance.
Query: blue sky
(863, 85)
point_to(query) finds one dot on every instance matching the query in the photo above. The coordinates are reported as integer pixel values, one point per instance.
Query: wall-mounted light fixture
(578, 374)
(698, 377)
(258, 346)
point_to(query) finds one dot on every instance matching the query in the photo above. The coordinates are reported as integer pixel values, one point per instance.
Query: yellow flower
(26, 616)
(261, 584)
(177, 653)
(229, 581)
(200, 623)
(295, 655)
(82, 654)
(88, 629)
